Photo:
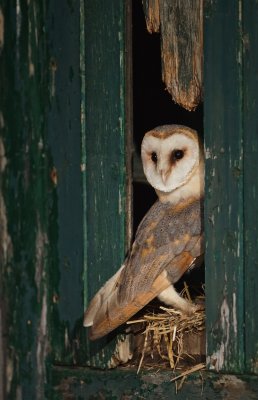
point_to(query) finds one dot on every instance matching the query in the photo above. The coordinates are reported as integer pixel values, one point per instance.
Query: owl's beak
(164, 175)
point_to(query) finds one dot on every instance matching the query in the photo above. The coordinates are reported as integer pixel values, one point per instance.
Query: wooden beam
(105, 217)
(224, 223)
(181, 27)
(250, 155)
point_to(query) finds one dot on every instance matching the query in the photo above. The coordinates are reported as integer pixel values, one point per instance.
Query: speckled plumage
(163, 234)
(169, 239)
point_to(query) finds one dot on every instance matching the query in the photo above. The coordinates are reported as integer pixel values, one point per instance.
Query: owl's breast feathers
(168, 242)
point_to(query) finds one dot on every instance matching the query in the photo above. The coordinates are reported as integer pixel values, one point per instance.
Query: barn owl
(169, 240)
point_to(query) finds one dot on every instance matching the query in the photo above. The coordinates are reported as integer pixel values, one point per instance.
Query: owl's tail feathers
(105, 312)
(100, 298)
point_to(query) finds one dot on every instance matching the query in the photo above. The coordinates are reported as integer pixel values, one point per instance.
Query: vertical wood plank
(181, 28)
(182, 50)
(250, 125)
(64, 136)
(105, 148)
(151, 11)
(25, 199)
(224, 185)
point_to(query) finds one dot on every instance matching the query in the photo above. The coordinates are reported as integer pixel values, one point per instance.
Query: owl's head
(171, 155)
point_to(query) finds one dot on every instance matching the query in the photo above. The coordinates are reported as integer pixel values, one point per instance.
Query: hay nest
(165, 332)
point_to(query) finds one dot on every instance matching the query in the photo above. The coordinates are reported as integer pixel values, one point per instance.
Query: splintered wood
(173, 336)
(180, 24)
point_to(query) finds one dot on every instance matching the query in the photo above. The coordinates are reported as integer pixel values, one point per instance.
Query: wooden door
(64, 120)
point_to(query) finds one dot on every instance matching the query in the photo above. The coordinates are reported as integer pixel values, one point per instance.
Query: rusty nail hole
(213, 361)
(53, 64)
(53, 175)
(55, 298)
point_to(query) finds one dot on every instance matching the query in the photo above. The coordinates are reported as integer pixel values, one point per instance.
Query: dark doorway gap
(153, 106)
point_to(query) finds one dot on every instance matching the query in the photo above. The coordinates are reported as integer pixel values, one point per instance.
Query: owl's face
(170, 156)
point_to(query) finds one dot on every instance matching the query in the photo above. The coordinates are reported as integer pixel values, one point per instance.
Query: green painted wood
(224, 186)
(250, 126)
(68, 337)
(105, 150)
(62, 197)
(126, 384)
(25, 199)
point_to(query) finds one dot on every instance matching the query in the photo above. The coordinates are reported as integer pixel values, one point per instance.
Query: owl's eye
(177, 154)
(154, 157)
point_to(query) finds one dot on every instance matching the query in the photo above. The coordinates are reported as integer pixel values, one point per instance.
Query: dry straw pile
(166, 331)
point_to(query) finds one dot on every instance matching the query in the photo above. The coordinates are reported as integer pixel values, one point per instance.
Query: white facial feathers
(170, 157)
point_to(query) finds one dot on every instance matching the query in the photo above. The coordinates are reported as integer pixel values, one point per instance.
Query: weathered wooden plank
(126, 384)
(68, 339)
(250, 126)
(181, 27)
(25, 199)
(105, 149)
(151, 11)
(224, 186)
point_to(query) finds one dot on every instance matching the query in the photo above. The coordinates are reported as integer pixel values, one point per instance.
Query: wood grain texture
(25, 200)
(181, 27)
(224, 225)
(68, 338)
(250, 127)
(152, 17)
(42, 117)
(105, 149)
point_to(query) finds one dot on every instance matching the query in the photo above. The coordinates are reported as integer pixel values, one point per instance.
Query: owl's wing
(167, 243)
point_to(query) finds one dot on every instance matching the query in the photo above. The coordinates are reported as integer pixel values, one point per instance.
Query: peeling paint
(1, 120)
(31, 65)
(6, 251)
(53, 69)
(18, 393)
(66, 339)
(120, 203)
(217, 360)
(40, 144)
(9, 373)
(54, 176)
(41, 241)
(123, 352)
(207, 153)
(36, 30)
(42, 340)
(234, 312)
(5, 239)
(3, 159)
(225, 323)
(31, 69)
(18, 20)
(42, 346)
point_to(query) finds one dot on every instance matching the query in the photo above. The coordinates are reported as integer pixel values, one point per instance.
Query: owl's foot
(170, 297)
